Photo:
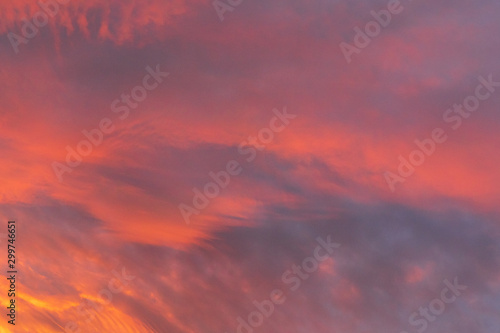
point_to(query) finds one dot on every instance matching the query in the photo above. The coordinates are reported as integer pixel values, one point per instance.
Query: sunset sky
(369, 124)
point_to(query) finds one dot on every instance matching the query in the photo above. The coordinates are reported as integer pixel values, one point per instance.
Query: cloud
(321, 176)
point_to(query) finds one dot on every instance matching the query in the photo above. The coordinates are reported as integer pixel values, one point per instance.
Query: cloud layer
(323, 175)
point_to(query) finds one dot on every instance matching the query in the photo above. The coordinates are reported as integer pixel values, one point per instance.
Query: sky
(237, 166)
